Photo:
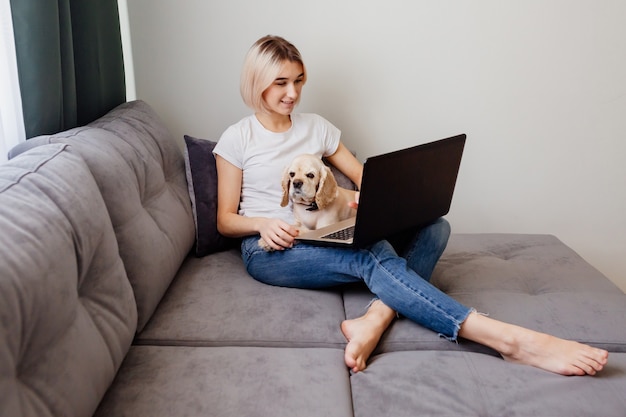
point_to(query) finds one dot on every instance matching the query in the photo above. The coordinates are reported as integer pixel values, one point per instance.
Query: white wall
(538, 86)
(127, 50)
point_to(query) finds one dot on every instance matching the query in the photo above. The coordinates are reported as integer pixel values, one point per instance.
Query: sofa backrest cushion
(140, 171)
(202, 184)
(67, 310)
(147, 198)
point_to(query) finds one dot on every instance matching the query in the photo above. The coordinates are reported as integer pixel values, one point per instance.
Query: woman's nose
(291, 90)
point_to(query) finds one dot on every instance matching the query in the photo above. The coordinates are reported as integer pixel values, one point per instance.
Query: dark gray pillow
(202, 184)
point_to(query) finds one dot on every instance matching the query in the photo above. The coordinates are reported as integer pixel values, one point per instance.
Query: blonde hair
(262, 66)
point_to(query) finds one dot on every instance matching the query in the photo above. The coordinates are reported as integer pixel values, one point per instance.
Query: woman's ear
(327, 188)
(286, 181)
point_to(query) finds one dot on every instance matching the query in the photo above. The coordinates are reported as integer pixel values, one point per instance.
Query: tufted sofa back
(140, 171)
(67, 310)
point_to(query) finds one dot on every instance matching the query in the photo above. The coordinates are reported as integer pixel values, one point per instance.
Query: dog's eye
(311, 176)
(292, 174)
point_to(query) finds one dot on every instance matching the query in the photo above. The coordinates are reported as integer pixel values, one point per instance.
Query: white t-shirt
(262, 155)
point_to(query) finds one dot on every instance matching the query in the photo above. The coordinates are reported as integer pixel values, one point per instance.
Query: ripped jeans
(401, 282)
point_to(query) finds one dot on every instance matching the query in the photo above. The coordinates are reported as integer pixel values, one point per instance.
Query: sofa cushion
(140, 171)
(535, 281)
(214, 302)
(436, 383)
(200, 381)
(67, 312)
(202, 184)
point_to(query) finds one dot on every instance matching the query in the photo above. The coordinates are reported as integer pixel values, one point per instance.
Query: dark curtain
(69, 58)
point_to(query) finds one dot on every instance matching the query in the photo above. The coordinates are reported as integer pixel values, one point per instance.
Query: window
(11, 121)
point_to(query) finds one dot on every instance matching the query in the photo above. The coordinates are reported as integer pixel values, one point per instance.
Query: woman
(250, 157)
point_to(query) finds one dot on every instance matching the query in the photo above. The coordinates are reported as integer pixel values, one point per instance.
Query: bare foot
(364, 333)
(557, 355)
(521, 345)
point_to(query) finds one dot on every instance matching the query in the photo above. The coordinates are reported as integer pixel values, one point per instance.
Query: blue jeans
(401, 282)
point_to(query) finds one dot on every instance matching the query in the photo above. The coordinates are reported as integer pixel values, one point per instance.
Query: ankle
(380, 313)
(508, 345)
(502, 337)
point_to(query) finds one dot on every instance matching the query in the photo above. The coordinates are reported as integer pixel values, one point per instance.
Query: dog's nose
(297, 184)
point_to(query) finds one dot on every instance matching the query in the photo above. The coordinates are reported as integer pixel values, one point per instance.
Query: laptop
(400, 190)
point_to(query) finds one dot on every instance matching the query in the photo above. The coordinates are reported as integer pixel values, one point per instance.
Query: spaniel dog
(317, 200)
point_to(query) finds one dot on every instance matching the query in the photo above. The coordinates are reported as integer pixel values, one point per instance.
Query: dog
(317, 200)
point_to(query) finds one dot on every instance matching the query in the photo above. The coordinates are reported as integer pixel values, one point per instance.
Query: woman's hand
(278, 234)
(355, 204)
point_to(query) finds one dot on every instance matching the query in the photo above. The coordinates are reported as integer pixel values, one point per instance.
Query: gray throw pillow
(202, 185)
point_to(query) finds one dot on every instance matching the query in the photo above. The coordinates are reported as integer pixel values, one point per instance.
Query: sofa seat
(214, 302)
(292, 345)
(468, 384)
(230, 381)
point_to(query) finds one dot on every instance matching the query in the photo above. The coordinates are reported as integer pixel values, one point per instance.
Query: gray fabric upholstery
(141, 174)
(67, 313)
(233, 381)
(447, 384)
(214, 302)
(29, 144)
(153, 221)
(535, 281)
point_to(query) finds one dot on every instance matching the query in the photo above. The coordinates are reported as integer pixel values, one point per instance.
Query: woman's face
(282, 96)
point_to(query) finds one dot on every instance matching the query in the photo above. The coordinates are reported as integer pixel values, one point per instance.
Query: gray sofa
(118, 298)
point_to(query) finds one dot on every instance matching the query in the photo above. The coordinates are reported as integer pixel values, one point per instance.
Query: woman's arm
(345, 162)
(277, 233)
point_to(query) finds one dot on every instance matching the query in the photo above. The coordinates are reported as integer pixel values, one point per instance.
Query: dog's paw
(263, 245)
(300, 227)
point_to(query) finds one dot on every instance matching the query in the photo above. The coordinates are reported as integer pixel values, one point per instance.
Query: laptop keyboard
(343, 234)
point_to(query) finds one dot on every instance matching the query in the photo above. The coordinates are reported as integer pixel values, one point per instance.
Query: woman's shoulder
(244, 123)
(239, 130)
(311, 120)
(314, 122)
(313, 117)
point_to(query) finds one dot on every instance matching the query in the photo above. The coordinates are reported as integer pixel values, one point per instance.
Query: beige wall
(538, 86)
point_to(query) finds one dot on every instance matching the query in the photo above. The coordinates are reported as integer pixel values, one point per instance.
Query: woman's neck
(274, 122)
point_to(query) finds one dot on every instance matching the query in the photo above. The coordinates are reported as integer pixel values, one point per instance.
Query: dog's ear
(327, 188)
(285, 182)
